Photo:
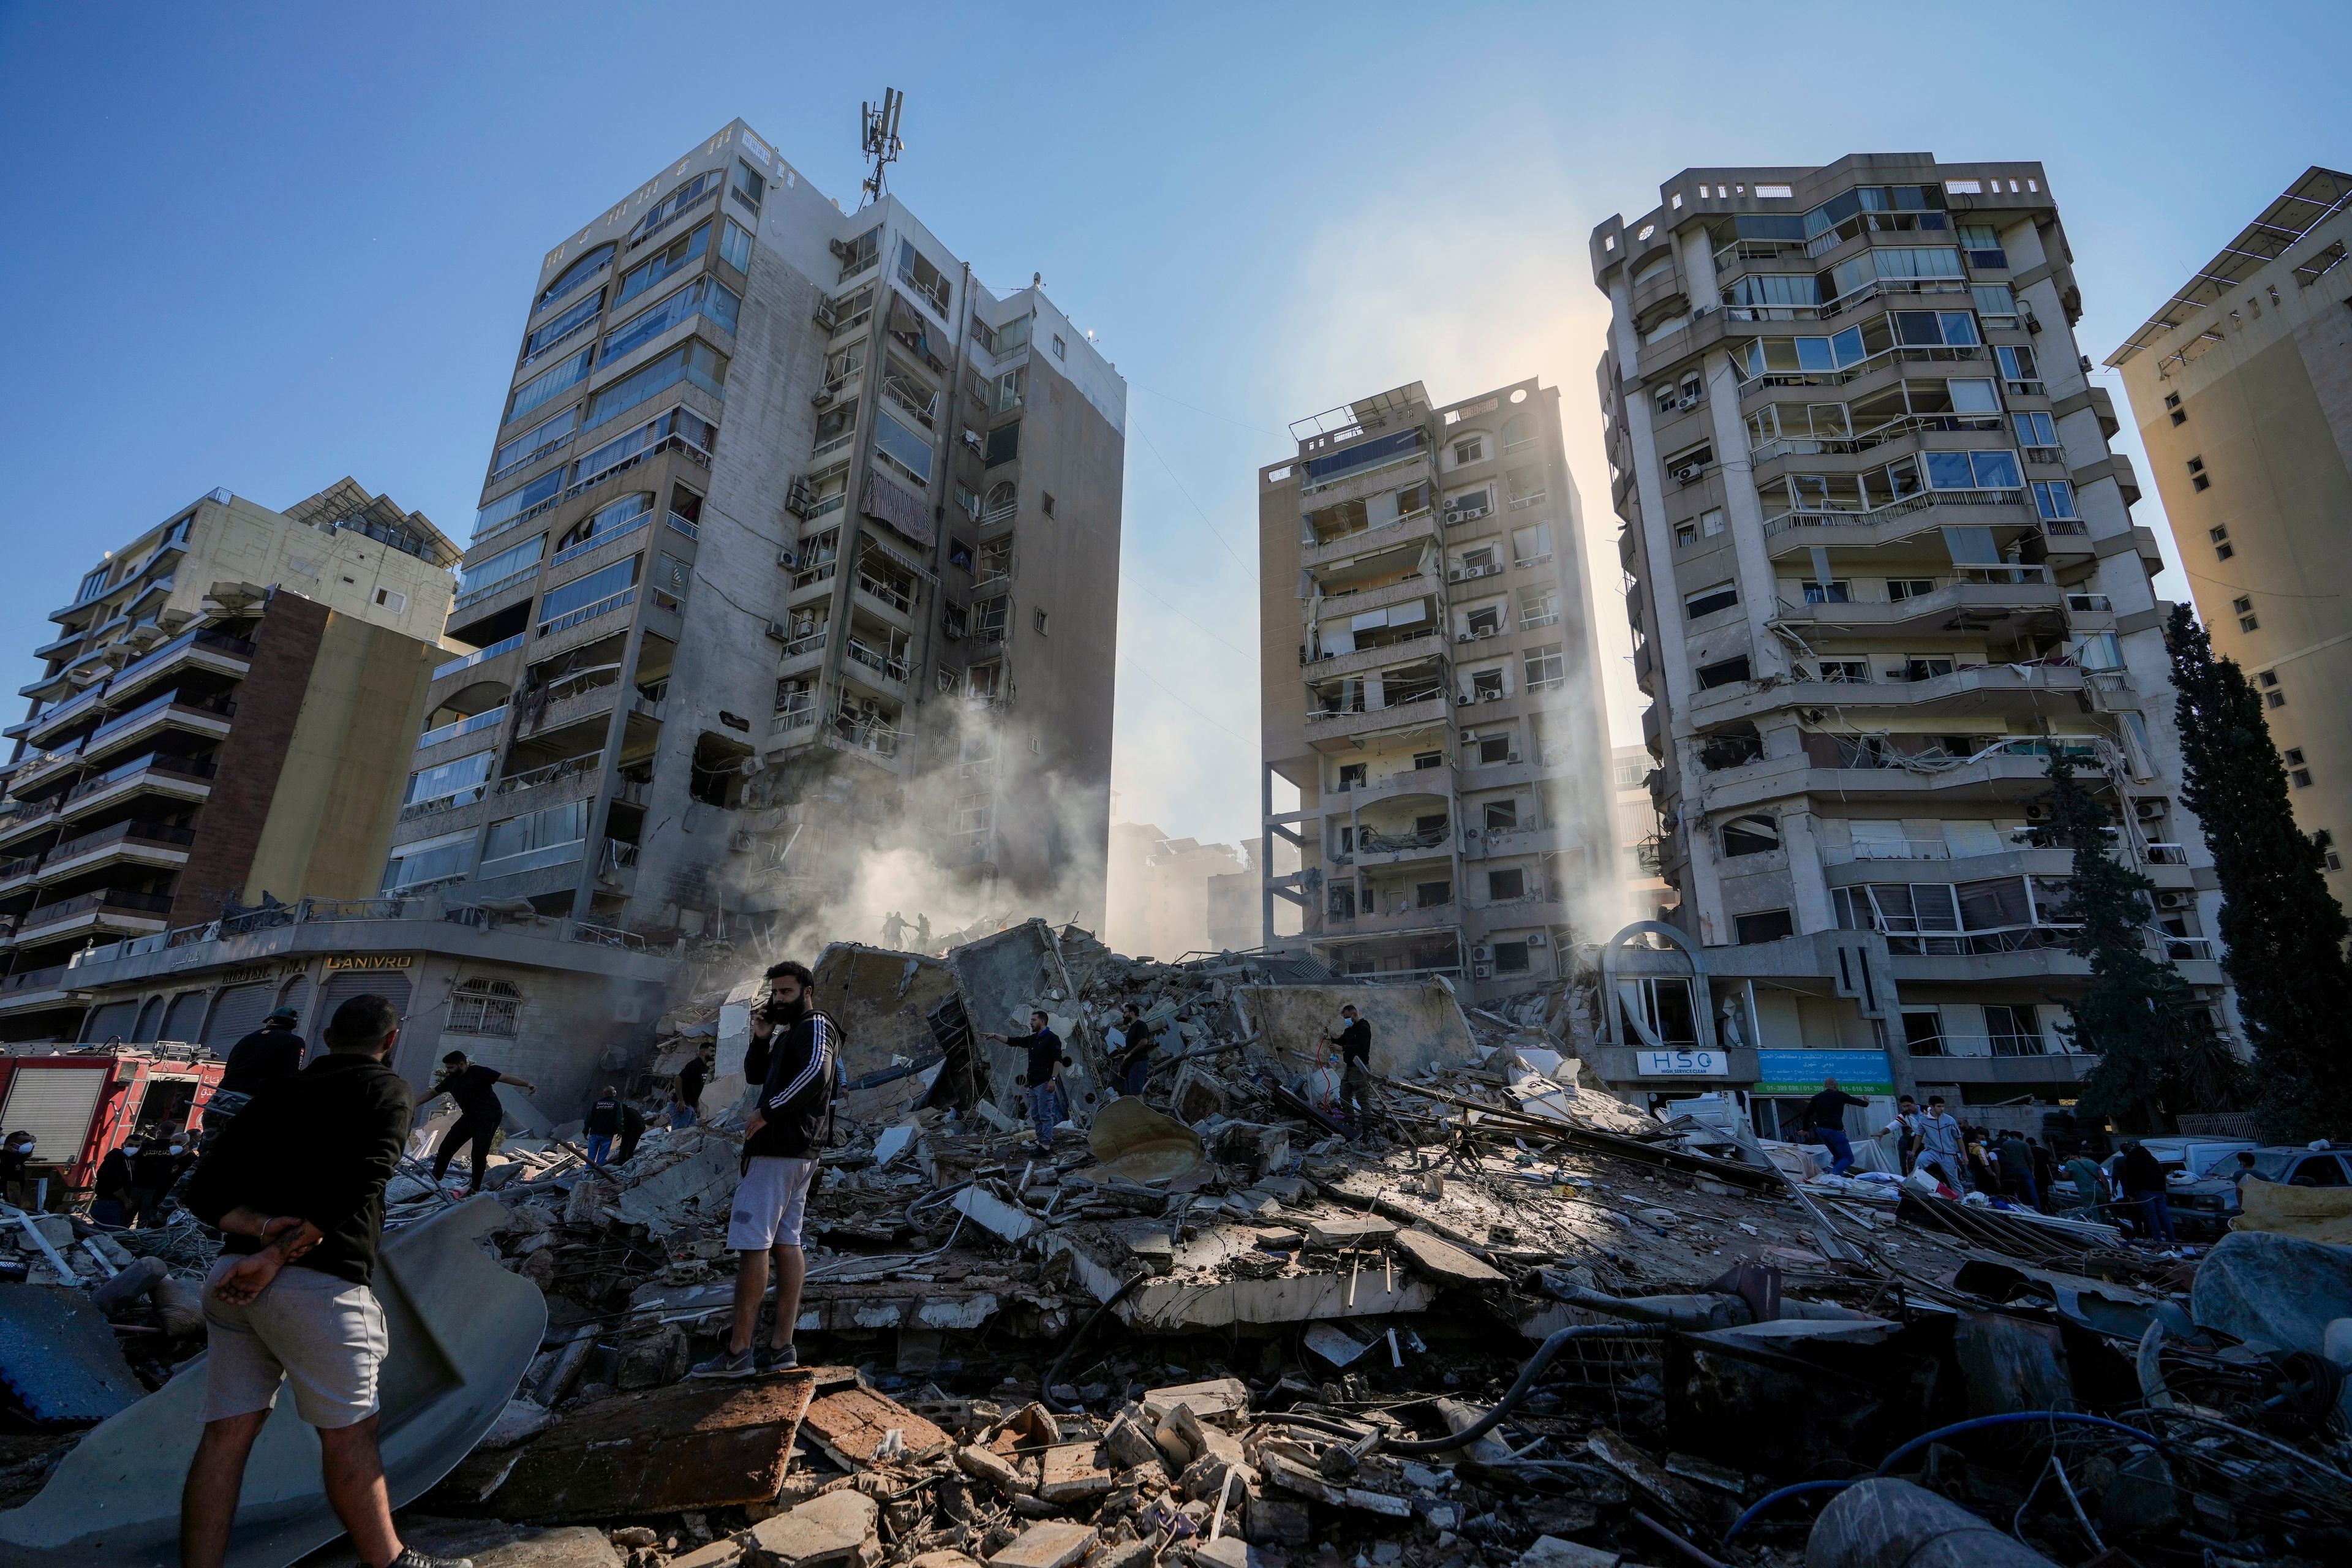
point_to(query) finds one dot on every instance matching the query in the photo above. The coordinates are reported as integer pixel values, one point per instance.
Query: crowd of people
(1964, 1157)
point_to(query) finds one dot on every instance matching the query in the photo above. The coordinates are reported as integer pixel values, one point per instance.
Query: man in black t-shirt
(1042, 1079)
(268, 1055)
(473, 1087)
(685, 1108)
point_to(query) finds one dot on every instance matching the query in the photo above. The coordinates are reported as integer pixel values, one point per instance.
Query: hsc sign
(1682, 1064)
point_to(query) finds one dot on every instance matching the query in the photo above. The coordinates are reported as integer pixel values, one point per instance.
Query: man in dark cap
(269, 1054)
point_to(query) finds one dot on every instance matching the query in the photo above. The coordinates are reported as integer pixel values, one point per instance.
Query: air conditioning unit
(1513, 757)
(1481, 954)
(2037, 811)
(841, 248)
(824, 316)
(1490, 697)
(1482, 971)
(1689, 472)
(1465, 700)
(788, 560)
(2148, 810)
(1689, 402)
(2176, 899)
(823, 398)
(1454, 576)
(781, 632)
(1538, 939)
(1463, 637)
(798, 498)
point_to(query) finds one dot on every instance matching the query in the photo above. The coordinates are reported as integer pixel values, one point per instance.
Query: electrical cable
(1054, 1373)
(1976, 1425)
(1521, 1389)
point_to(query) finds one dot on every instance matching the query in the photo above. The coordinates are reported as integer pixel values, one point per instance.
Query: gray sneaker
(727, 1363)
(410, 1558)
(773, 1358)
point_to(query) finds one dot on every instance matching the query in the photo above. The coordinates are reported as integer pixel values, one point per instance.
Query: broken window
(1428, 760)
(1750, 835)
(954, 621)
(1546, 667)
(996, 560)
(1433, 895)
(485, 1007)
(1502, 816)
(1507, 886)
(1526, 485)
(1011, 388)
(858, 255)
(915, 270)
(1538, 607)
(1352, 775)
(1487, 685)
(1530, 545)
(1511, 958)
(1003, 444)
(1494, 750)
(974, 813)
(989, 618)
(985, 680)
(796, 700)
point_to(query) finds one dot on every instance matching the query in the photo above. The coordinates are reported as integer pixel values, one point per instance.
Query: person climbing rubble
(474, 1088)
(795, 1056)
(1355, 1042)
(1825, 1115)
(1132, 1044)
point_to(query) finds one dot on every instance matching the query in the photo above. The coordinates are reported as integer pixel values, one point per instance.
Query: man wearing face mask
(793, 1056)
(114, 1204)
(153, 1174)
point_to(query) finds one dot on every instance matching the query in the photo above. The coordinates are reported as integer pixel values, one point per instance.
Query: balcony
(586, 769)
(876, 665)
(488, 719)
(1403, 649)
(176, 778)
(1994, 591)
(1401, 529)
(1374, 848)
(479, 657)
(206, 716)
(31, 989)
(149, 844)
(1326, 729)
(885, 595)
(107, 907)
(1792, 533)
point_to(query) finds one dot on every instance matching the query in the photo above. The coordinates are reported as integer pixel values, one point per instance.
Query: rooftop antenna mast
(882, 144)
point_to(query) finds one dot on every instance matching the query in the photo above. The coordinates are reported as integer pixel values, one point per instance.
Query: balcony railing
(44, 915)
(145, 832)
(467, 726)
(551, 773)
(691, 530)
(890, 594)
(456, 666)
(589, 612)
(880, 663)
(203, 636)
(600, 538)
(808, 576)
(172, 767)
(1802, 518)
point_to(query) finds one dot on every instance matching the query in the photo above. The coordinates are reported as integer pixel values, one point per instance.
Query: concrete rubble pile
(1511, 1321)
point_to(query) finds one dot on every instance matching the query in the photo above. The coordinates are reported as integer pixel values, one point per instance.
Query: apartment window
(517, 504)
(2015, 1030)
(455, 781)
(1529, 545)
(583, 598)
(2292, 756)
(1972, 471)
(1003, 445)
(705, 297)
(2242, 605)
(749, 186)
(735, 247)
(908, 452)
(1484, 622)
(549, 383)
(2017, 364)
(1538, 607)
(1487, 685)
(1685, 535)
(1041, 623)
(2172, 406)
(1511, 958)
(1686, 467)
(562, 326)
(1901, 588)
(1710, 521)
(2224, 551)
(485, 1007)
(1750, 835)
(2274, 699)
(2034, 429)
(575, 276)
(1352, 775)
(1061, 349)
(2198, 478)
(1502, 816)
(1433, 895)
(1494, 750)
(671, 258)
(1479, 561)
(428, 860)
(1707, 600)
(1846, 669)
(1503, 887)
(1722, 672)
(1424, 759)
(1765, 925)
(693, 362)
(1835, 591)
(1471, 449)
(1546, 667)
(915, 270)
(392, 599)
(537, 833)
(2054, 500)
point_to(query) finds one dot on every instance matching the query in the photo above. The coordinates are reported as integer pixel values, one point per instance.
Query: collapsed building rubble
(1512, 1320)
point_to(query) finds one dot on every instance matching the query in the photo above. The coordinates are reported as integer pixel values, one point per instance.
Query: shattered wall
(1004, 975)
(884, 1002)
(1413, 1026)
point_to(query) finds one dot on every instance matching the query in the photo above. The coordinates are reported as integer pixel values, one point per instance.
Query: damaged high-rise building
(1430, 687)
(1881, 567)
(797, 546)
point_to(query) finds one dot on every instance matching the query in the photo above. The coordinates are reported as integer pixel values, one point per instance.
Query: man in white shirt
(1904, 1130)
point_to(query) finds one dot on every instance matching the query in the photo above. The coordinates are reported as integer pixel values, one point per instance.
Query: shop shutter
(296, 996)
(237, 1011)
(184, 1019)
(108, 1020)
(151, 1018)
(340, 988)
(55, 1105)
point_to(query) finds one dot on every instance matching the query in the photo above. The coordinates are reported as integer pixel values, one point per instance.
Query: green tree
(2283, 933)
(2155, 1044)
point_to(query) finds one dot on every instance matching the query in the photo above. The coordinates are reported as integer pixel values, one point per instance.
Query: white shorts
(770, 1202)
(323, 1333)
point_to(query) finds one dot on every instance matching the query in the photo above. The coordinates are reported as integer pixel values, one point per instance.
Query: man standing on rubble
(1043, 1079)
(1825, 1114)
(1134, 1050)
(474, 1088)
(1939, 1144)
(272, 1052)
(296, 1186)
(686, 1107)
(2141, 1176)
(794, 1057)
(1355, 1042)
(604, 1123)
(2017, 1168)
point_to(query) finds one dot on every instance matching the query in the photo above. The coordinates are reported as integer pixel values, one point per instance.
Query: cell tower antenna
(882, 144)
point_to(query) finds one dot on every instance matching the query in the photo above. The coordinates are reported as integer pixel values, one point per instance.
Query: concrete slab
(1551, 1552)
(689, 1445)
(835, 1530)
(1136, 1144)
(462, 1331)
(989, 1211)
(1067, 1473)
(1436, 1257)
(1002, 977)
(883, 999)
(851, 1425)
(58, 1357)
(1051, 1544)
(1209, 1400)
(1330, 1233)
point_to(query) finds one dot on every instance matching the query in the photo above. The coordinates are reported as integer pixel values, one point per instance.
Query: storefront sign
(368, 961)
(1682, 1064)
(1801, 1072)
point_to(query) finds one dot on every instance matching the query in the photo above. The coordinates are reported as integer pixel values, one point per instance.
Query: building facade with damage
(1430, 685)
(796, 544)
(207, 734)
(1882, 565)
(2242, 388)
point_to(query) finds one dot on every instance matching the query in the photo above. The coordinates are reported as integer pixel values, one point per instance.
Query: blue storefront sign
(1801, 1072)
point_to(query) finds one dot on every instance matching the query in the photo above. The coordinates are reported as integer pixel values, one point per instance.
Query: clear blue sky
(267, 245)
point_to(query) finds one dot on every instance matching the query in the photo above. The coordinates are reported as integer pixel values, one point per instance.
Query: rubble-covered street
(1513, 1321)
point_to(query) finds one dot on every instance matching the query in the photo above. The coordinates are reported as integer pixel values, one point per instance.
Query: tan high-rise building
(2241, 386)
(1430, 685)
(1882, 565)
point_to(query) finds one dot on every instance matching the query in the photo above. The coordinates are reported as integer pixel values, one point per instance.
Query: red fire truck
(80, 1102)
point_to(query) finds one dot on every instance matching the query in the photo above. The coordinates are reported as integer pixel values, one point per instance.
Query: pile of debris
(1511, 1321)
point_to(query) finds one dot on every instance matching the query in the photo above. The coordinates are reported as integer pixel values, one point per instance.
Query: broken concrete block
(1226, 1551)
(982, 1465)
(654, 1361)
(1067, 1473)
(1126, 1445)
(835, 1530)
(1289, 1189)
(852, 1423)
(691, 1444)
(1054, 1543)
(1551, 1552)
(1331, 1231)
(1440, 1258)
(1220, 1455)
(1270, 1518)
(1124, 1554)
(1218, 1396)
(992, 1213)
